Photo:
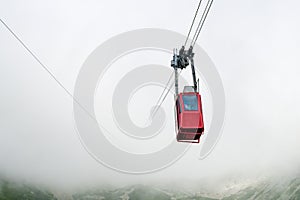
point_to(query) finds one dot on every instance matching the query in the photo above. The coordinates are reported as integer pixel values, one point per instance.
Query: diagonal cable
(45, 68)
(166, 86)
(201, 23)
(192, 23)
(159, 105)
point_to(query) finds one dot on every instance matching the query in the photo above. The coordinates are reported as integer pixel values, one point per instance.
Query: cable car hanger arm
(181, 61)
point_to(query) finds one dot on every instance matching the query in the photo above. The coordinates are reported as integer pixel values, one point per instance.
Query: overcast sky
(255, 46)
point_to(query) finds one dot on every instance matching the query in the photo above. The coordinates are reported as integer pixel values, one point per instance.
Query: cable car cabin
(189, 118)
(188, 108)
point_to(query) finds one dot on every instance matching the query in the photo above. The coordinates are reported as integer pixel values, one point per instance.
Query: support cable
(201, 23)
(159, 105)
(192, 23)
(45, 68)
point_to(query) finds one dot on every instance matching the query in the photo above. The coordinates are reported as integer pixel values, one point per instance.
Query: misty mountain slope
(130, 192)
(270, 190)
(138, 192)
(285, 190)
(14, 191)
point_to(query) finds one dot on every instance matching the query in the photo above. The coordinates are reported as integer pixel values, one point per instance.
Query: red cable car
(189, 118)
(188, 108)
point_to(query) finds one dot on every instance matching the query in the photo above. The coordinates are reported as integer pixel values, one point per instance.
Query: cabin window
(190, 102)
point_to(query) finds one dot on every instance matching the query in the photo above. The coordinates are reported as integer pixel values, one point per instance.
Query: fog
(253, 44)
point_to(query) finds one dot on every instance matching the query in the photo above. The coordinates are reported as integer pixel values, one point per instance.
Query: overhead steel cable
(45, 68)
(202, 20)
(199, 24)
(160, 97)
(166, 86)
(163, 99)
(192, 23)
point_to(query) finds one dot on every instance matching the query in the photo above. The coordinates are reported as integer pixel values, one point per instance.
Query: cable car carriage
(189, 117)
(188, 107)
(189, 123)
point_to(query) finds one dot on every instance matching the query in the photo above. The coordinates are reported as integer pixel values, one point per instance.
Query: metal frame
(181, 61)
